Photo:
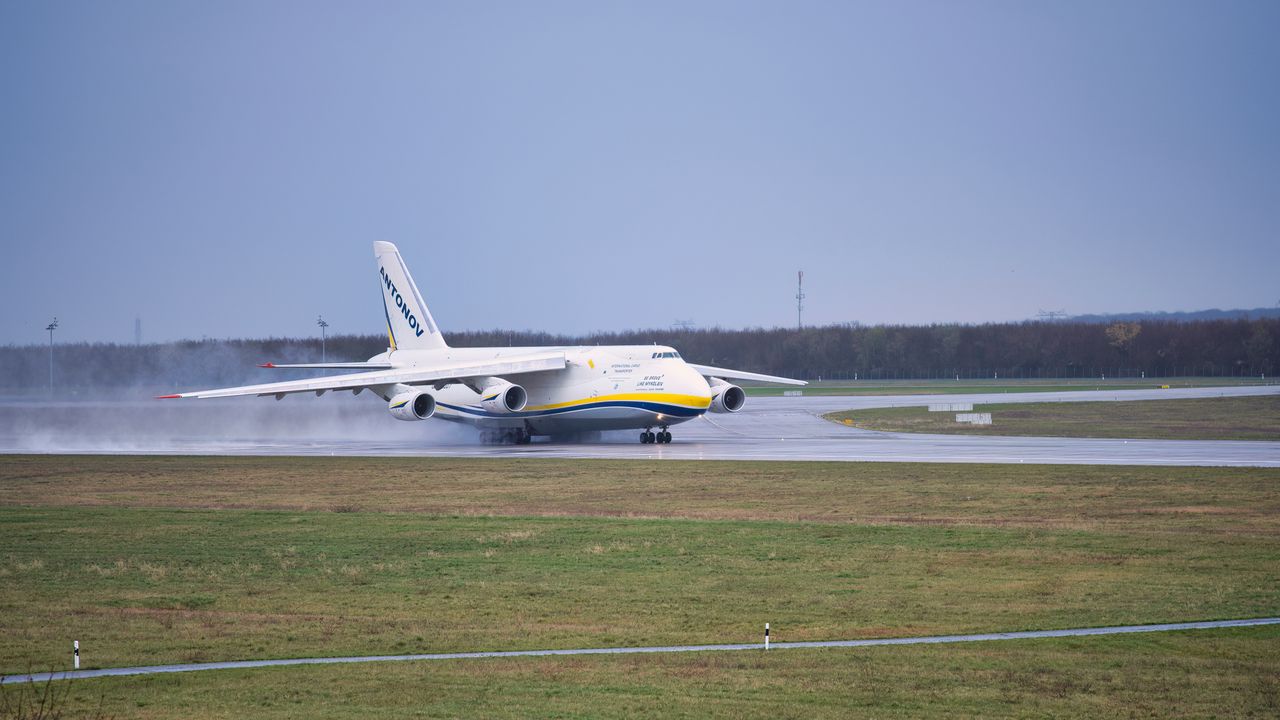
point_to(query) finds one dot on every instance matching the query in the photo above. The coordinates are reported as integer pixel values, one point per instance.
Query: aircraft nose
(695, 384)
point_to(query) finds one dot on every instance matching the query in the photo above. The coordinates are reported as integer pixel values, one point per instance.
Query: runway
(779, 428)
(925, 640)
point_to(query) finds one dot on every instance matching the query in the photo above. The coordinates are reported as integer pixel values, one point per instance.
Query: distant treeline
(1180, 316)
(1010, 350)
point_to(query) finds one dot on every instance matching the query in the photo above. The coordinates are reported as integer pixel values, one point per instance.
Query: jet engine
(412, 405)
(727, 398)
(504, 397)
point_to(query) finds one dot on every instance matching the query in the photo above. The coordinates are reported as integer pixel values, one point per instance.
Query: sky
(222, 169)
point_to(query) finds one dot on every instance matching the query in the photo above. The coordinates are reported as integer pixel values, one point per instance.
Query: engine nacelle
(412, 405)
(726, 398)
(504, 397)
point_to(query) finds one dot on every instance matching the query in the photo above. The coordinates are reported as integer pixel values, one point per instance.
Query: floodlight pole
(799, 299)
(320, 321)
(51, 327)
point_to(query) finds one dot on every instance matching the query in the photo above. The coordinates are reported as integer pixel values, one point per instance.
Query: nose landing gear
(662, 436)
(505, 436)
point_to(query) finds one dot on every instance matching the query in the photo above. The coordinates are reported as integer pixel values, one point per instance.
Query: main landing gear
(505, 436)
(662, 436)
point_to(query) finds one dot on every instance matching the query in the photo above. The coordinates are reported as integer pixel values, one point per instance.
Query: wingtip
(266, 365)
(167, 397)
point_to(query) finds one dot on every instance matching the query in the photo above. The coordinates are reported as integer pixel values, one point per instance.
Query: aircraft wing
(708, 371)
(511, 365)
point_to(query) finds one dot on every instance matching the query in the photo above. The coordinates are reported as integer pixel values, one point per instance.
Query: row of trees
(1028, 349)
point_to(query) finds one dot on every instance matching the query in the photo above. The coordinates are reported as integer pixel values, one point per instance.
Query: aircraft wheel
(666, 437)
(644, 438)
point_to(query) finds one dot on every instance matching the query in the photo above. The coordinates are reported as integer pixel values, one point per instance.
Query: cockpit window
(668, 354)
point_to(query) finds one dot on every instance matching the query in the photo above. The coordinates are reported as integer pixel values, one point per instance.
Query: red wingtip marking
(267, 365)
(167, 397)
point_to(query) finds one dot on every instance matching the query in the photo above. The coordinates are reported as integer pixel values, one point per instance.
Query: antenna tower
(323, 326)
(51, 327)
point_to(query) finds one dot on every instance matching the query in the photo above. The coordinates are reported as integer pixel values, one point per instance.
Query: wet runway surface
(925, 640)
(784, 428)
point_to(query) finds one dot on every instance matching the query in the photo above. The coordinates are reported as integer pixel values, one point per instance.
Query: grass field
(1249, 418)
(151, 560)
(969, 386)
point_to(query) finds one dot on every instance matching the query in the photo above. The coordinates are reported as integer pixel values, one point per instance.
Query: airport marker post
(76, 645)
(766, 639)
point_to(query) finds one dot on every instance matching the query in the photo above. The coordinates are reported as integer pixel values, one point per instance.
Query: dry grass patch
(1239, 500)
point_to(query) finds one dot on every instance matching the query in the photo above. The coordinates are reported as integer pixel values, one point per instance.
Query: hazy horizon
(222, 170)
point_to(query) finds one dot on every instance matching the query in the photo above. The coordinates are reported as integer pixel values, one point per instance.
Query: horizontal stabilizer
(330, 366)
(708, 371)
(416, 375)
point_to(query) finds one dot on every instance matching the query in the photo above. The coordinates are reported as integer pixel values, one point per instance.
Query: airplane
(513, 394)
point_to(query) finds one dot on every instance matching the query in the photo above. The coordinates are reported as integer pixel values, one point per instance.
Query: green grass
(153, 560)
(147, 586)
(969, 386)
(1250, 418)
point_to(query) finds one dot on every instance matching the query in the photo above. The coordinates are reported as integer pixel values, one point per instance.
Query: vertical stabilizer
(409, 323)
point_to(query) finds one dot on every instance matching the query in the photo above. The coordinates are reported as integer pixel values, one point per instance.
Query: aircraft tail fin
(409, 323)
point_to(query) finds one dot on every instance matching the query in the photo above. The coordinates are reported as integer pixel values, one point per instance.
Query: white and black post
(76, 645)
(766, 636)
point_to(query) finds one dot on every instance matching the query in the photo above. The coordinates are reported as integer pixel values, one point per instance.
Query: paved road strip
(934, 639)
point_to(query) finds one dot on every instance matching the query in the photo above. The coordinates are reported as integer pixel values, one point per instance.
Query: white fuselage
(606, 387)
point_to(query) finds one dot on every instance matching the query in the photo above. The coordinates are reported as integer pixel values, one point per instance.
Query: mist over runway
(769, 428)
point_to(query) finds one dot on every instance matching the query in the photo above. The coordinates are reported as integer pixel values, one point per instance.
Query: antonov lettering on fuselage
(515, 394)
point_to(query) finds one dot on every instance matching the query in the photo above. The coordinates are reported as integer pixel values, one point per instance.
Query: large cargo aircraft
(515, 394)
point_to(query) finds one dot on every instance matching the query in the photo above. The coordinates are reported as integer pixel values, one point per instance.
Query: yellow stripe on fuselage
(694, 401)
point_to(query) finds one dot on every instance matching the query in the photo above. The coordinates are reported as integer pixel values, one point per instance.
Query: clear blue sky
(222, 168)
